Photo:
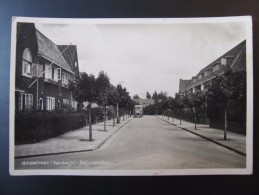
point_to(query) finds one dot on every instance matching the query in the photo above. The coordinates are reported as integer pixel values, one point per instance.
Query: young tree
(172, 104)
(193, 101)
(179, 99)
(123, 98)
(230, 86)
(103, 88)
(113, 99)
(84, 89)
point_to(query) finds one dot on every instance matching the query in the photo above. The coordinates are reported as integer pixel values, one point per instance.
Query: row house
(43, 71)
(235, 58)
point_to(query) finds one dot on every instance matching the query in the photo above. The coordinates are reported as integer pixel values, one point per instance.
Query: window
(200, 76)
(215, 68)
(207, 72)
(224, 61)
(52, 73)
(65, 101)
(26, 63)
(50, 103)
(48, 71)
(25, 101)
(59, 73)
(37, 70)
(65, 78)
(75, 64)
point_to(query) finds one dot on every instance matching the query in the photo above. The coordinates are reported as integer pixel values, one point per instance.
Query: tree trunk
(117, 114)
(226, 123)
(90, 122)
(113, 116)
(104, 118)
(180, 117)
(195, 118)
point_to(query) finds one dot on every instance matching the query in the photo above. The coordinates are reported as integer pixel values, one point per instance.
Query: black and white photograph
(131, 96)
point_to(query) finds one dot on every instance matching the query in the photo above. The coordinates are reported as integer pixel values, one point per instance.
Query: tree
(154, 96)
(123, 98)
(148, 96)
(172, 104)
(230, 86)
(103, 89)
(194, 100)
(113, 99)
(179, 99)
(135, 97)
(84, 89)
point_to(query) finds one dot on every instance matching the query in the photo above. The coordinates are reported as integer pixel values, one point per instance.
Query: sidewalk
(235, 142)
(73, 141)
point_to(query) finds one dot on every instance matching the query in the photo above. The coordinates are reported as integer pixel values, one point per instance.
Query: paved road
(144, 143)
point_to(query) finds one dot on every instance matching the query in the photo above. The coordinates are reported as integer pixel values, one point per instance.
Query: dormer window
(194, 79)
(27, 63)
(224, 61)
(207, 72)
(215, 67)
(200, 76)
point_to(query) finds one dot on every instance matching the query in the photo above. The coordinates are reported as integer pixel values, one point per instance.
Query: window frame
(27, 63)
(25, 101)
(50, 103)
(215, 67)
(59, 74)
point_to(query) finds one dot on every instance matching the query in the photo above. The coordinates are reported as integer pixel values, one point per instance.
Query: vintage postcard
(131, 96)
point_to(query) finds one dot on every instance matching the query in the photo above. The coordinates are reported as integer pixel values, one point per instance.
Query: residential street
(144, 143)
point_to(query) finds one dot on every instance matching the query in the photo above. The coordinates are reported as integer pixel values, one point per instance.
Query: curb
(209, 139)
(74, 151)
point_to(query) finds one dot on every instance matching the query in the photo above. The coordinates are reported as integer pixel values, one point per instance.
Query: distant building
(39, 84)
(144, 102)
(235, 58)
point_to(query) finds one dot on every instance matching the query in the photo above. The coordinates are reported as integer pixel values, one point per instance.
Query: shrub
(30, 128)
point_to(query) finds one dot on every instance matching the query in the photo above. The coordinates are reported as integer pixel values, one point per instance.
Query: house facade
(43, 71)
(235, 58)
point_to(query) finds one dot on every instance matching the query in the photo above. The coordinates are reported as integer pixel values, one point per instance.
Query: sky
(147, 57)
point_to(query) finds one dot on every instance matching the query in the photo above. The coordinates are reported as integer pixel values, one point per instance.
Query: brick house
(235, 58)
(43, 71)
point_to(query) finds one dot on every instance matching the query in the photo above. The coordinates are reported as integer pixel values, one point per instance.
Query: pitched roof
(49, 50)
(240, 62)
(231, 53)
(69, 54)
(236, 58)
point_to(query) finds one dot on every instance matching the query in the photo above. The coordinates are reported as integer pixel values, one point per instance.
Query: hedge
(30, 128)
